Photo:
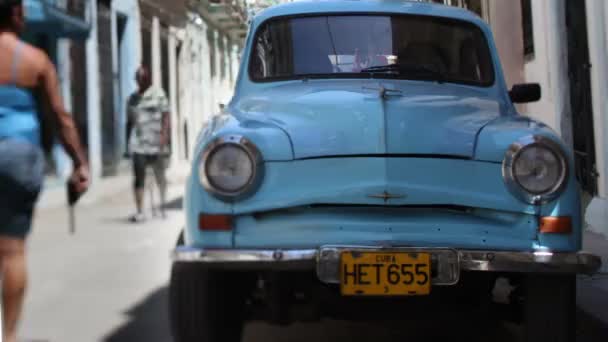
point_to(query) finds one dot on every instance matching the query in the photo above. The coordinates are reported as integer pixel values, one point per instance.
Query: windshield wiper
(408, 69)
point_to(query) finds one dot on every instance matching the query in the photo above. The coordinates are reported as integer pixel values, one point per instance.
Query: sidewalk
(91, 285)
(54, 194)
(592, 292)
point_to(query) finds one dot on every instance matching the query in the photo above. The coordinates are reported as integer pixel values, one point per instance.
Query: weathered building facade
(207, 60)
(192, 48)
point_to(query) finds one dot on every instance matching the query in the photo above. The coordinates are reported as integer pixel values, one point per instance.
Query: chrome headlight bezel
(257, 168)
(516, 188)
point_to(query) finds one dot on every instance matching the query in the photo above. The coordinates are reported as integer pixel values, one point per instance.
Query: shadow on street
(148, 321)
(176, 204)
(590, 329)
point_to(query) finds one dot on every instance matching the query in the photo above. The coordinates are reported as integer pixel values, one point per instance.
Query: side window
(474, 6)
(528, 29)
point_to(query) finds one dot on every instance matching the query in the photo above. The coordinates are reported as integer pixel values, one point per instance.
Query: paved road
(109, 283)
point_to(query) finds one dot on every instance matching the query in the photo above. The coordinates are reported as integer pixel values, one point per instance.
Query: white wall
(129, 59)
(172, 93)
(93, 104)
(63, 164)
(598, 50)
(597, 28)
(200, 93)
(550, 68)
(506, 22)
(195, 82)
(537, 69)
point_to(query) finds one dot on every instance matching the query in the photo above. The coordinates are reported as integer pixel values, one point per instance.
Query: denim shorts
(141, 162)
(21, 177)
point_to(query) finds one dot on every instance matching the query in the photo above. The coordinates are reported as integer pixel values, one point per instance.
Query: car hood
(342, 118)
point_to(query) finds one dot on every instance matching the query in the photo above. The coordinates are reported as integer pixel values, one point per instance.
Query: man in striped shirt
(148, 130)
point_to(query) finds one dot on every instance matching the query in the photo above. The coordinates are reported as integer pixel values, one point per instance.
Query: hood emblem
(386, 196)
(384, 93)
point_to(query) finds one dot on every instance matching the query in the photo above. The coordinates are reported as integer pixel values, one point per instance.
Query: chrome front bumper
(448, 262)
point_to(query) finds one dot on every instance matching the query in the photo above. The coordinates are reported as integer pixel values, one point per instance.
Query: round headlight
(230, 167)
(535, 169)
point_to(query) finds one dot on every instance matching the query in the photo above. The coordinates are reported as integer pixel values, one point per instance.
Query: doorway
(122, 60)
(579, 67)
(106, 87)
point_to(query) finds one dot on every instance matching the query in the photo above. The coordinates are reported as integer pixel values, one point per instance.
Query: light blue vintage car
(372, 155)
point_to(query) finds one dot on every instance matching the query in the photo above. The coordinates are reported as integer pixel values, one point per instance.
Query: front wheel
(550, 308)
(205, 306)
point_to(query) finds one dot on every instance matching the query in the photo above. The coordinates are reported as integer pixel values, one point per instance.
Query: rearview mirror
(525, 92)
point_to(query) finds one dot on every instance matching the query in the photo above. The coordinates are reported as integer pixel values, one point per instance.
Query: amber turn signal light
(556, 225)
(214, 222)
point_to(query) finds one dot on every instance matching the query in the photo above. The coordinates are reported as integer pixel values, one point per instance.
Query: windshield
(403, 46)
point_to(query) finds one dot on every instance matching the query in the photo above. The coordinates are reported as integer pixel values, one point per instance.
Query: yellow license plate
(385, 274)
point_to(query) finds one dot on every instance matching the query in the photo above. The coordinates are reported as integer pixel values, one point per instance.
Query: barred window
(528, 28)
(474, 6)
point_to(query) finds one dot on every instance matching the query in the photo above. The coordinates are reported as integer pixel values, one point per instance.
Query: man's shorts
(141, 162)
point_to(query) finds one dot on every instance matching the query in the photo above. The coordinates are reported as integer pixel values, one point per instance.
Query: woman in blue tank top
(25, 71)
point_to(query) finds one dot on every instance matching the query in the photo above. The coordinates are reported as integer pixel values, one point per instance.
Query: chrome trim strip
(254, 258)
(469, 260)
(530, 262)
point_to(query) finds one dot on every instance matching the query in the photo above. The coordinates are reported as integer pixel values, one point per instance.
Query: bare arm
(68, 134)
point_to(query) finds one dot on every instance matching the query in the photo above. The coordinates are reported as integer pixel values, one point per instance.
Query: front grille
(448, 207)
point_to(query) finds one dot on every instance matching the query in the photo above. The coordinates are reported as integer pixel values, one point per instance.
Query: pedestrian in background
(148, 131)
(29, 96)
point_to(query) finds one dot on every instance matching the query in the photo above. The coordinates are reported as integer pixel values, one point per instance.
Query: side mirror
(526, 92)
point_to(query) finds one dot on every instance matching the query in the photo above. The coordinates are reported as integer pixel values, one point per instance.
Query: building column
(485, 9)
(596, 28)
(230, 64)
(206, 86)
(172, 46)
(218, 79)
(226, 86)
(93, 100)
(63, 163)
(155, 45)
(558, 66)
(549, 67)
(235, 63)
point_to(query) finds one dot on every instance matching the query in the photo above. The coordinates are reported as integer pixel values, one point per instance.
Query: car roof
(367, 6)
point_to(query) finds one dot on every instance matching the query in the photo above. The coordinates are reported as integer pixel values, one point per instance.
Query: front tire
(205, 306)
(550, 308)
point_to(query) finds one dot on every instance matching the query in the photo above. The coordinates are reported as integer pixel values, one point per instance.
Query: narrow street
(108, 282)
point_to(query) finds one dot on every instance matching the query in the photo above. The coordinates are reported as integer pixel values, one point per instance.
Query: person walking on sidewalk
(28, 82)
(148, 131)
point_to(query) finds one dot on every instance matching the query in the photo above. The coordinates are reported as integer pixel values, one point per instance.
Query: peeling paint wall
(127, 58)
(207, 71)
(506, 23)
